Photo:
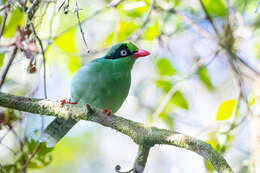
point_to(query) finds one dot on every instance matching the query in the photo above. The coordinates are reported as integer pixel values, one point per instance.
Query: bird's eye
(123, 52)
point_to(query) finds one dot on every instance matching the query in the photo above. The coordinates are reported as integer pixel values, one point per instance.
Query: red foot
(73, 103)
(64, 101)
(108, 112)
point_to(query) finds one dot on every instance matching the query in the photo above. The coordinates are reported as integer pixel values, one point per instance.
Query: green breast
(103, 83)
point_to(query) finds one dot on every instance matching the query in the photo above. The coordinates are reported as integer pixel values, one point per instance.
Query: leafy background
(206, 102)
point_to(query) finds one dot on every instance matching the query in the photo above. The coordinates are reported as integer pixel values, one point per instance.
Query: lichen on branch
(145, 137)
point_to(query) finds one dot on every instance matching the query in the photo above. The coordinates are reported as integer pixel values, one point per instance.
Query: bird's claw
(108, 112)
(64, 101)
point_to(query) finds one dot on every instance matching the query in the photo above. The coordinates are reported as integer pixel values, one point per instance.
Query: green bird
(103, 83)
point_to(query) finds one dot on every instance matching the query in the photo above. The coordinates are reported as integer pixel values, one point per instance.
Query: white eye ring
(123, 52)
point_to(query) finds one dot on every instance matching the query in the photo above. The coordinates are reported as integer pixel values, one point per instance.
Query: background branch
(5, 71)
(137, 131)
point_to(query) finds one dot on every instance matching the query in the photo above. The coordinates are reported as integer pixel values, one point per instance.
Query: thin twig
(209, 18)
(139, 32)
(66, 6)
(4, 21)
(80, 27)
(36, 149)
(96, 13)
(257, 7)
(194, 26)
(32, 9)
(169, 95)
(6, 69)
(188, 21)
(10, 149)
(43, 59)
(247, 65)
(2, 138)
(7, 5)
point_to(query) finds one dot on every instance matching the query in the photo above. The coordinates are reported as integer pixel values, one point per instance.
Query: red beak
(140, 53)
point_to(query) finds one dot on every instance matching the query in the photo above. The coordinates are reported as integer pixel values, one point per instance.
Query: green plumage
(103, 83)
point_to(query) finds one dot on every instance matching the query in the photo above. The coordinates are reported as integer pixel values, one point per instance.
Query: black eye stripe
(117, 53)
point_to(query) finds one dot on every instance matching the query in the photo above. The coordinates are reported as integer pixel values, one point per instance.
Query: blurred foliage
(133, 8)
(220, 142)
(164, 85)
(164, 67)
(2, 56)
(118, 24)
(179, 100)
(66, 41)
(205, 77)
(125, 29)
(215, 7)
(42, 158)
(152, 30)
(226, 109)
(251, 99)
(7, 118)
(16, 19)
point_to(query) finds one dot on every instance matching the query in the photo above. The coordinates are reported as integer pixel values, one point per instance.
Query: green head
(123, 50)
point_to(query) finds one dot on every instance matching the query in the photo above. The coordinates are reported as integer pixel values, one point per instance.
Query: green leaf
(165, 116)
(109, 40)
(2, 56)
(256, 49)
(132, 8)
(152, 31)
(212, 139)
(74, 64)
(205, 77)
(226, 109)
(179, 100)
(42, 158)
(208, 166)
(168, 121)
(12, 168)
(177, 2)
(215, 7)
(126, 28)
(16, 19)
(251, 99)
(240, 5)
(1, 19)
(66, 41)
(165, 67)
(164, 84)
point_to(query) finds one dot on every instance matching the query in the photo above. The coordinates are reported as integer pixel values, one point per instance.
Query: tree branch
(141, 159)
(141, 135)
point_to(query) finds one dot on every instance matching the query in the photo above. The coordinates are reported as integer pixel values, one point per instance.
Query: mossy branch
(144, 136)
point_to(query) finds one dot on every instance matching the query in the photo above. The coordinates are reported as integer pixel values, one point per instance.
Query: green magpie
(103, 83)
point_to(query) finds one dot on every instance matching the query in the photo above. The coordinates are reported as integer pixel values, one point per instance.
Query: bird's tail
(56, 130)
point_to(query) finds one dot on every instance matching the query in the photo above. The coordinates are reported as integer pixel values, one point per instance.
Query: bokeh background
(189, 62)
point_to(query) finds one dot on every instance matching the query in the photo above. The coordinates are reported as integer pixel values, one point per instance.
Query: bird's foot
(65, 101)
(108, 112)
